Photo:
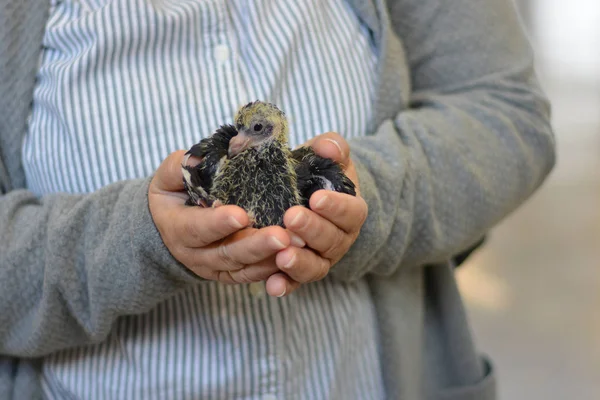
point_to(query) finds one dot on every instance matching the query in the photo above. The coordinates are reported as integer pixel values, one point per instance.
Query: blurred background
(533, 291)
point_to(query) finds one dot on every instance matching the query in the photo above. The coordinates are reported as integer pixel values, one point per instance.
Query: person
(112, 288)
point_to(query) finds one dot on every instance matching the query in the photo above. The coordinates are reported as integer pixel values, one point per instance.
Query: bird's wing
(212, 151)
(314, 173)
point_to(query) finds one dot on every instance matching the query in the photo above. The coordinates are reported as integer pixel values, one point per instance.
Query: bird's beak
(237, 144)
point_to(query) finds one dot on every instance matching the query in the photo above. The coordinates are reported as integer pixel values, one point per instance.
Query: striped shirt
(124, 82)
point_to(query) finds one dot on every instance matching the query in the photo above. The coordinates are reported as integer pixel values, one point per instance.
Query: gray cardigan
(460, 138)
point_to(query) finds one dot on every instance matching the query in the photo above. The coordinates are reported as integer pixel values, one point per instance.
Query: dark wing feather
(211, 150)
(314, 173)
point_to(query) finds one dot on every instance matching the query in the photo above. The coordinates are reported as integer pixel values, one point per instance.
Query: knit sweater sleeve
(474, 142)
(71, 264)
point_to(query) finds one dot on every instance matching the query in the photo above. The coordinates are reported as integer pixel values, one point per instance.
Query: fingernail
(290, 263)
(277, 243)
(186, 158)
(235, 223)
(298, 219)
(297, 241)
(282, 293)
(337, 145)
(323, 202)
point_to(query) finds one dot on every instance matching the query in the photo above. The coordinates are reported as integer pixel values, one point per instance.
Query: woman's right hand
(214, 243)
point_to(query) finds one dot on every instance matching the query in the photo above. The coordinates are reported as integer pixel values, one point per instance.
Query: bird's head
(258, 123)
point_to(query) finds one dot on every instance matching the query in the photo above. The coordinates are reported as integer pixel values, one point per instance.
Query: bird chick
(249, 164)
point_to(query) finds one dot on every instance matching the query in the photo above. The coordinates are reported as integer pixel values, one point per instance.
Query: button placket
(240, 86)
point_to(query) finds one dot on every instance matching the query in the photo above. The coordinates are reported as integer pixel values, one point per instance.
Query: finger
(257, 272)
(346, 212)
(190, 160)
(168, 176)
(245, 247)
(251, 273)
(332, 145)
(198, 227)
(279, 285)
(303, 265)
(296, 240)
(318, 233)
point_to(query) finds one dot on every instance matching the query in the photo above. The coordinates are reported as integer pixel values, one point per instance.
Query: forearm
(445, 171)
(71, 264)
(473, 142)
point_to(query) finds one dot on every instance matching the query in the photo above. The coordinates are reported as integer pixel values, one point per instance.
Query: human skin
(217, 243)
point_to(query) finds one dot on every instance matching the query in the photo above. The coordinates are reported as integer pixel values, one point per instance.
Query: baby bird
(314, 173)
(249, 164)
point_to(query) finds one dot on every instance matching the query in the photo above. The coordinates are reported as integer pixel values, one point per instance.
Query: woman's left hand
(329, 228)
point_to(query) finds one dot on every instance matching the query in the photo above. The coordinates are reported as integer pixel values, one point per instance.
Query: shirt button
(257, 289)
(222, 52)
(269, 397)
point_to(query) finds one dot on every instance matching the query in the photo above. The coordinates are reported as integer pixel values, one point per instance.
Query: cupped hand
(329, 228)
(214, 243)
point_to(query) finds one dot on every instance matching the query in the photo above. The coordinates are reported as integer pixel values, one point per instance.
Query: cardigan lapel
(22, 24)
(392, 90)
(367, 13)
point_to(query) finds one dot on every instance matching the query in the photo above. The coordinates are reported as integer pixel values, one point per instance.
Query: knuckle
(225, 277)
(336, 246)
(223, 253)
(241, 276)
(322, 271)
(224, 256)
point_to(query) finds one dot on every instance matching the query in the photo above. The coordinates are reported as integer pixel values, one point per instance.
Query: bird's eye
(258, 128)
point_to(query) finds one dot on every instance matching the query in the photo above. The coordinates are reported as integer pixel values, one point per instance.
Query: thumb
(168, 177)
(332, 145)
